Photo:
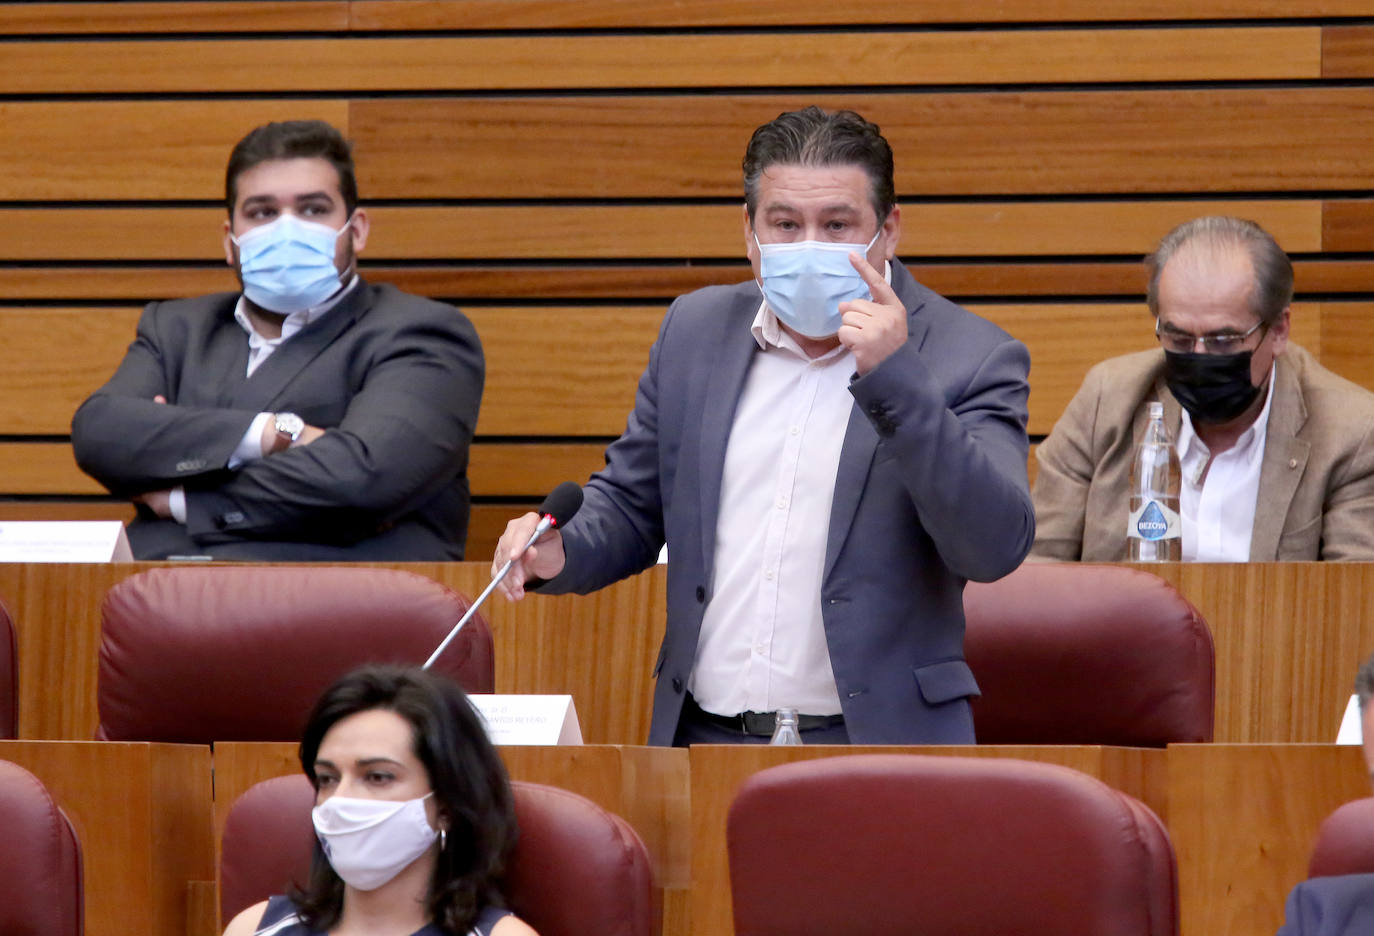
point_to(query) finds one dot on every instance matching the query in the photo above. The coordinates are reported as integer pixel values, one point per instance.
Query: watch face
(290, 424)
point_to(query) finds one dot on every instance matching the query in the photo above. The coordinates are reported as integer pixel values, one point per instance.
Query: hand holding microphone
(558, 508)
(531, 546)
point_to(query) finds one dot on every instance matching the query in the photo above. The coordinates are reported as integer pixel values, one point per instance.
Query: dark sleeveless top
(280, 919)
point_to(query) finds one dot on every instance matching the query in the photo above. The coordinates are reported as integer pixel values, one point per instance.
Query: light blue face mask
(805, 282)
(288, 265)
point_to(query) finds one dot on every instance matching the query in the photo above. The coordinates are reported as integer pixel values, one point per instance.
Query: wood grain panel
(132, 149)
(1243, 819)
(30, 19)
(521, 14)
(1348, 52)
(143, 815)
(1289, 637)
(607, 232)
(609, 281)
(947, 144)
(58, 357)
(586, 388)
(1348, 225)
(512, 470)
(718, 771)
(298, 65)
(1348, 340)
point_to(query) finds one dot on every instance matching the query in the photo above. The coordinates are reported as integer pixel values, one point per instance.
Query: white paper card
(529, 719)
(64, 541)
(1351, 731)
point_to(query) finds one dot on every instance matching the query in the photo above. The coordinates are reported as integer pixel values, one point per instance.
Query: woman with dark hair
(413, 816)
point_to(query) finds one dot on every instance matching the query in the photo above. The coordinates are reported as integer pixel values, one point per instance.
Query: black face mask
(1213, 388)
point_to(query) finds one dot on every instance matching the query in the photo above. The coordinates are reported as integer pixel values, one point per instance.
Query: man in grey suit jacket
(829, 453)
(313, 416)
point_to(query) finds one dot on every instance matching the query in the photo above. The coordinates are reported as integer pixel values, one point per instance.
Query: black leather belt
(759, 723)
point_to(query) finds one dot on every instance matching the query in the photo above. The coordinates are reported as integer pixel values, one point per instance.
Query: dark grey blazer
(1331, 906)
(931, 491)
(395, 379)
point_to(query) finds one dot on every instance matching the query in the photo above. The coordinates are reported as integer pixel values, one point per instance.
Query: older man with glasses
(1276, 450)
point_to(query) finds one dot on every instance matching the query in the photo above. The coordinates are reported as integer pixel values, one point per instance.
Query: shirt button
(701, 594)
(1292, 463)
(677, 684)
(768, 575)
(782, 503)
(795, 430)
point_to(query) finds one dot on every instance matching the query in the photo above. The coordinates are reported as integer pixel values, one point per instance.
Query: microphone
(558, 508)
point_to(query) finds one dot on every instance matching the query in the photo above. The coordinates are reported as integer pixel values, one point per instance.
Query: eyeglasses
(1174, 339)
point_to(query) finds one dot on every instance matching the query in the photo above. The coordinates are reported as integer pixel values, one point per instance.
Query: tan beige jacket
(1316, 492)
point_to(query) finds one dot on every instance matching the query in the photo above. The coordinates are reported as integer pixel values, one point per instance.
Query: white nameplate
(529, 719)
(1351, 731)
(64, 541)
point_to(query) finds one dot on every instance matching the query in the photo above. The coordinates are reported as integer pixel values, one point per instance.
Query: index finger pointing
(877, 284)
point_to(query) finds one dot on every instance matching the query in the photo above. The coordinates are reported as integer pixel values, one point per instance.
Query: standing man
(830, 452)
(312, 416)
(1277, 452)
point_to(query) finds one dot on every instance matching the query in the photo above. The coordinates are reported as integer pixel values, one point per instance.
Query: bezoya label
(1153, 521)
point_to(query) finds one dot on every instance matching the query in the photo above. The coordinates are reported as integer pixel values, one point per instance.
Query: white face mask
(804, 282)
(369, 842)
(287, 265)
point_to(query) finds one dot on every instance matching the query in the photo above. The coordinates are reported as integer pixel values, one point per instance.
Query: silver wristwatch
(289, 425)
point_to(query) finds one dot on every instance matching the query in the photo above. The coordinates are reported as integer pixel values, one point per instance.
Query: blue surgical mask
(288, 265)
(805, 282)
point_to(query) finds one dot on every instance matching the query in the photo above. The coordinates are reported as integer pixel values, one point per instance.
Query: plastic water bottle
(786, 731)
(1153, 530)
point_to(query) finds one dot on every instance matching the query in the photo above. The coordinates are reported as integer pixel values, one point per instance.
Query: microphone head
(562, 502)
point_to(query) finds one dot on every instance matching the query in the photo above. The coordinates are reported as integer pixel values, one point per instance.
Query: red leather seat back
(894, 844)
(40, 860)
(1071, 653)
(9, 677)
(576, 869)
(198, 655)
(1345, 841)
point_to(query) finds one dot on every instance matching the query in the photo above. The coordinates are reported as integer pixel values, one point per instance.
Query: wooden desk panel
(647, 787)
(143, 813)
(1289, 637)
(1243, 819)
(561, 644)
(719, 770)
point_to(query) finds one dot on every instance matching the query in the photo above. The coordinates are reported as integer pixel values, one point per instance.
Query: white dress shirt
(762, 643)
(1219, 514)
(260, 348)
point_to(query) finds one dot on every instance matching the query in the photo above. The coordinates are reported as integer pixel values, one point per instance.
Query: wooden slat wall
(562, 169)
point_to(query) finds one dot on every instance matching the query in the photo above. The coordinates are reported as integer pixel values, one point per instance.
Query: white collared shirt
(762, 643)
(1219, 514)
(260, 349)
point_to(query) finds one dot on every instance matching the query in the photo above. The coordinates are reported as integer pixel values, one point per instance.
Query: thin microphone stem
(544, 523)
